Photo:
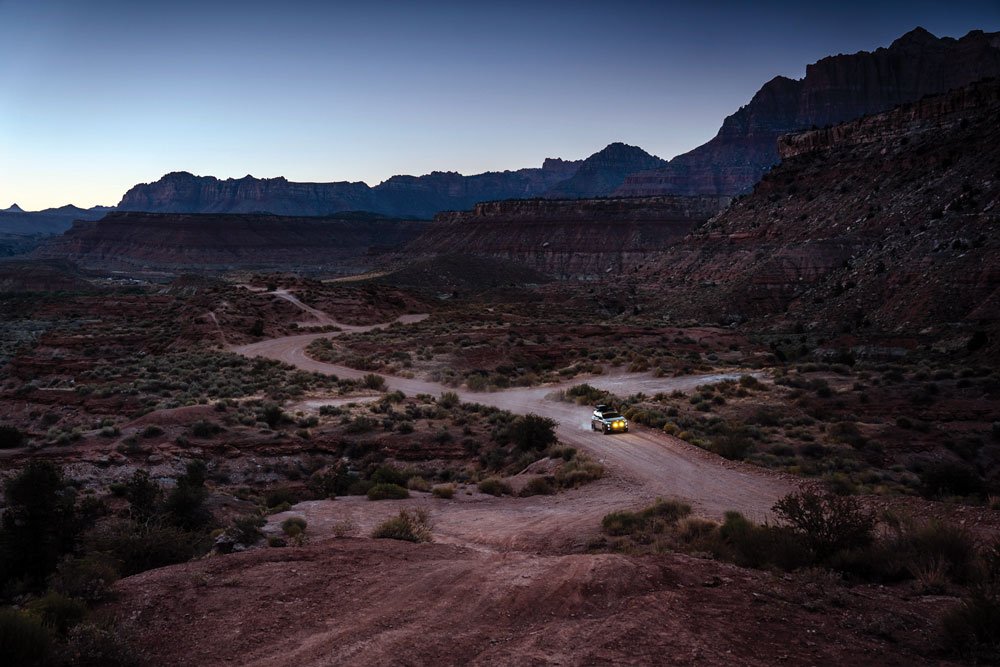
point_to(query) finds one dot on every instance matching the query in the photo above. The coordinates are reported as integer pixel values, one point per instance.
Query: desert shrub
(693, 529)
(38, 525)
(448, 400)
(105, 645)
(417, 483)
(410, 526)
(152, 431)
(532, 431)
(293, 526)
(360, 424)
(577, 471)
(972, 628)
(283, 495)
(246, 529)
(205, 429)
(373, 381)
(650, 519)
(58, 611)
(564, 453)
(444, 491)
(137, 547)
(390, 475)
(89, 578)
(734, 446)
(755, 545)
(143, 495)
(949, 478)
(344, 528)
(185, 505)
(538, 486)
(495, 486)
(387, 492)
(272, 414)
(24, 641)
(827, 522)
(11, 437)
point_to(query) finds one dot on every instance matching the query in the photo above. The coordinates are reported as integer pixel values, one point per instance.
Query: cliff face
(572, 239)
(179, 242)
(406, 196)
(834, 90)
(889, 223)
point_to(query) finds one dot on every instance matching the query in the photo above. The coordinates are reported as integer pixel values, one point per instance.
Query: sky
(96, 96)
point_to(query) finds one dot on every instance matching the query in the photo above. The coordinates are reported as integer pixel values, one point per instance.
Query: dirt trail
(641, 465)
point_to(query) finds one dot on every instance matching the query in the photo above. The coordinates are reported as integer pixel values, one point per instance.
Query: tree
(185, 505)
(143, 495)
(39, 523)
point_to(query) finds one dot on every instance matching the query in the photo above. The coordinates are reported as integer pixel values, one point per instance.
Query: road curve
(648, 461)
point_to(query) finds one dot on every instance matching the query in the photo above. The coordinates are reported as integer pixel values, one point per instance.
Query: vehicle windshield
(610, 415)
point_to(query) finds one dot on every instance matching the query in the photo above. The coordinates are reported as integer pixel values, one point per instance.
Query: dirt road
(648, 462)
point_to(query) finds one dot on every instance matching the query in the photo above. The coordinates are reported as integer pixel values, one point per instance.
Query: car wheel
(605, 429)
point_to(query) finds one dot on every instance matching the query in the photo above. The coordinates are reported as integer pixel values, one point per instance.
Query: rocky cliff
(834, 90)
(184, 242)
(570, 239)
(404, 196)
(890, 223)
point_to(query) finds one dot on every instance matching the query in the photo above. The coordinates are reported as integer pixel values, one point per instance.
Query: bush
(972, 628)
(732, 446)
(388, 492)
(444, 491)
(389, 475)
(410, 526)
(24, 641)
(495, 486)
(538, 486)
(577, 471)
(293, 526)
(828, 523)
(651, 519)
(372, 381)
(532, 431)
(11, 437)
(143, 495)
(753, 545)
(360, 424)
(205, 429)
(185, 506)
(152, 431)
(417, 483)
(949, 479)
(246, 529)
(89, 578)
(92, 645)
(57, 611)
(448, 400)
(136, 548)
(272, 415)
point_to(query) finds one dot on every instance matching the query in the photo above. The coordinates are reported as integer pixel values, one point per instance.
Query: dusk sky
(97, 96)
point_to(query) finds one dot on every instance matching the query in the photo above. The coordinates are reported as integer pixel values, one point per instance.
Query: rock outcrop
(889, 223)
(835, 89)
(569, 239)
(187, 242)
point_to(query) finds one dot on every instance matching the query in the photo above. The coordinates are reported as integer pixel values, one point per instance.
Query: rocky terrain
(835, 89)
(888, 223)
(16, 221)
(578, 239)
(184, 242)
(605, 171)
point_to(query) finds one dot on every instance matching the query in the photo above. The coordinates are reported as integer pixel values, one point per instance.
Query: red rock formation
(891, 223)
(582, 238)
(835, 89)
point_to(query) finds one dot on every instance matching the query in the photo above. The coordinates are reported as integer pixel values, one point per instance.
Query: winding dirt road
(641, 465)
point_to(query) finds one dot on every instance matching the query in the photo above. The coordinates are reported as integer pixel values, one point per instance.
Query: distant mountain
(15, 221)
(835, 89)
(401, 196)
(605, 171)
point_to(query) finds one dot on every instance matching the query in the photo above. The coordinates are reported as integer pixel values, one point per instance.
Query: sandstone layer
(569, 239)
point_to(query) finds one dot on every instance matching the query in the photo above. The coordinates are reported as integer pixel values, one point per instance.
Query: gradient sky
(96, 96)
